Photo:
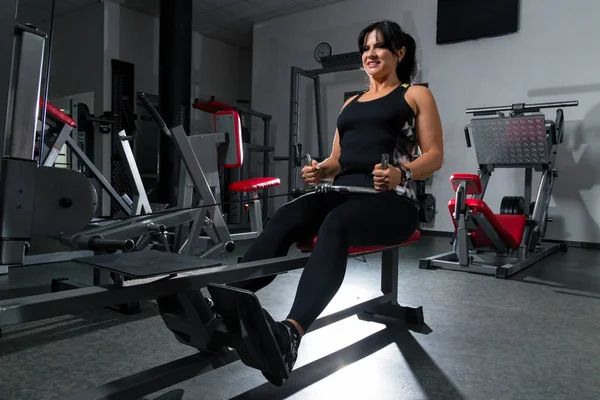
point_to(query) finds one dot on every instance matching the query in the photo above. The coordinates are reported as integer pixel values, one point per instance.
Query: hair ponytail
(407, 67)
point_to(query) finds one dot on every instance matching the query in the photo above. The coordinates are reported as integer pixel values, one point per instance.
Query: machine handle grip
(385, 161)
(155, 115)
(467, 137)
(559, 125)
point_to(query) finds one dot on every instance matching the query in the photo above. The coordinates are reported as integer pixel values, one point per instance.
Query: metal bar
(134, 227)
(519, 106)
(528, 188)
(134, 173)
(8, 15)
(389, 271)
(350, 311)
(29, 59)
(507, 270)
(60, 141)
(319, 116)
(294, 105)
(98, 175)
(490, 232)
(48, 305)
(266, 164)
(341, 68)
(199, 180)
(152, 380)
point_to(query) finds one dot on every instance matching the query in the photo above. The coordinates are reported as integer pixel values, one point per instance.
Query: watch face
(322, 50)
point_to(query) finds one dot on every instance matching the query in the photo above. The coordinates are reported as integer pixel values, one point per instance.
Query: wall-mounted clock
(322, 50)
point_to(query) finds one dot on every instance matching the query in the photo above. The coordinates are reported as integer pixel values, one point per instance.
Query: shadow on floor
(431, 378)
(68, 327)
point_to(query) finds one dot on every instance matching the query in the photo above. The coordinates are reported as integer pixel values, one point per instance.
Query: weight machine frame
(138, 205)
(525, 121)
(20, 85)
(295, 151)
(265, 148)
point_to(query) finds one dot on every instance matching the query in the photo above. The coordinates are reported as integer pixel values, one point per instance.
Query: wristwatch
(407, 174)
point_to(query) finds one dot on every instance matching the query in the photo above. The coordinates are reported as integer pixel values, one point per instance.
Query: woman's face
(378, 61)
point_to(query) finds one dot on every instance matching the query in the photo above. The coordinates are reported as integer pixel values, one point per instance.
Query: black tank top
(371, 128)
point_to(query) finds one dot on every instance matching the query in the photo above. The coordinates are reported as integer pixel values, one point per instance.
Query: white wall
(551, 58)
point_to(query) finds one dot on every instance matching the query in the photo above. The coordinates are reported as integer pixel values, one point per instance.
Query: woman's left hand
(386, 179)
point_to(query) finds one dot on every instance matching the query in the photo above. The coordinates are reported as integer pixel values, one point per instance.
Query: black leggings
(340, 221)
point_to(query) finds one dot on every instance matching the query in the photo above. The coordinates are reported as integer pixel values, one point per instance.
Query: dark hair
(394, 38)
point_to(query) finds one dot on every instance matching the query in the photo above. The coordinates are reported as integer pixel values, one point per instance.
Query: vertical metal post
(8, 15)
(266, 164)
(528, 187)
(319, 115)
(389, 271)
(294, 129)
(175, 70)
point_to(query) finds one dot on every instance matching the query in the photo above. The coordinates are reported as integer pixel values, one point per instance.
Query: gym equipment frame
(504, 244)
(64, 126)
(35, 200)
(215, 105)
(175, 281)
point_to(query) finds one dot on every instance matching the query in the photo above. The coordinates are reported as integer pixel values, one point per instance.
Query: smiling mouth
(372, 64)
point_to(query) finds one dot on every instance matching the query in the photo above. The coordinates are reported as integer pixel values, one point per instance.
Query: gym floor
(530, 337)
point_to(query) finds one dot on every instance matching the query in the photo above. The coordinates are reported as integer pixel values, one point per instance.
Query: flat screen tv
(462, 20)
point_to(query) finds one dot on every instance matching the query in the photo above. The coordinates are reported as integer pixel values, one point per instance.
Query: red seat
(308, 245)
(473, 182)
(253, 184)
(510, 227)
(58, 115)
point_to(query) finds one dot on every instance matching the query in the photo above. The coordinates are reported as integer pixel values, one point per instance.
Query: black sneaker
(288, 340)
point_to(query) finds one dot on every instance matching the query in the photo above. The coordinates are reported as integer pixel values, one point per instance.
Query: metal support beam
(8, 15)
(175, 74)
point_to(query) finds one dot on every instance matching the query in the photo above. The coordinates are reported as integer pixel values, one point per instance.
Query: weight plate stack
(514, 205)
(427, 211)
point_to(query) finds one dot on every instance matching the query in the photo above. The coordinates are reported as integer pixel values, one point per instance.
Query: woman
(392, 118)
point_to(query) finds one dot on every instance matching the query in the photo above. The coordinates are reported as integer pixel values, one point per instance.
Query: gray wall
(77, 53)
(551, 58)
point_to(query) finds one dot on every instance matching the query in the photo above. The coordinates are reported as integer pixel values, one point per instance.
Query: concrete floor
(530, 337)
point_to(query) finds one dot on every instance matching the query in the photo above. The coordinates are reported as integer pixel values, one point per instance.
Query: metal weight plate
(427, 211)
(65, 202)
(514, 205)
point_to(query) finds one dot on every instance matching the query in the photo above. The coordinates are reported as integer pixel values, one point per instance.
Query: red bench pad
(211, 106)
(57, 114)
(253, 184)
(474, 185)
(510, 227)
(308, 245)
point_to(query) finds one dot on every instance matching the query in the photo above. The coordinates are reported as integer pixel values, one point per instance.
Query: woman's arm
(429, 133)
(331, 166)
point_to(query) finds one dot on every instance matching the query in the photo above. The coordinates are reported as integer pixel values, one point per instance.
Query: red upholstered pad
(211, 106)
(510, 227)
(254, 184)
(307, 246)
(473, 182)
(57, 114)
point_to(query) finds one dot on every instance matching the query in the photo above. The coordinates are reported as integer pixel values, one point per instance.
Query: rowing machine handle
(385, 161)
(307, 160)
(467, 137)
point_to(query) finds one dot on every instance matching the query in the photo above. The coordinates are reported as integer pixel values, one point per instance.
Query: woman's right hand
(312, 173)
